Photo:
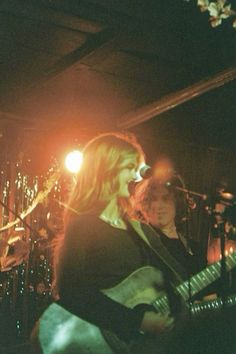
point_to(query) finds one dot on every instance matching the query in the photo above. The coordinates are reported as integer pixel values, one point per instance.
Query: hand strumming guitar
(156, 323)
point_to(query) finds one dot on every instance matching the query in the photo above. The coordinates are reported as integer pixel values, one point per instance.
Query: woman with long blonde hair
(103, 158)
(100, 249)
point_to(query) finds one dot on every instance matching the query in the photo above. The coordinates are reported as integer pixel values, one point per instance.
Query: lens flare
(73, 161)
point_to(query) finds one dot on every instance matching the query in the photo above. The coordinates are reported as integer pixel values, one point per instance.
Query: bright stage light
(73, 161)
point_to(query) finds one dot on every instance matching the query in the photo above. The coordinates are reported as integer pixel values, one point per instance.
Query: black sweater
(97, 256)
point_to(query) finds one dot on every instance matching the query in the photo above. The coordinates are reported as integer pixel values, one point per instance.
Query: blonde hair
(97, 180)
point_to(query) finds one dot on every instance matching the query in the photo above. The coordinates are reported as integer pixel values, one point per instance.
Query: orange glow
(226, 195)
(214, 251)
(73, 161)
(163, 168)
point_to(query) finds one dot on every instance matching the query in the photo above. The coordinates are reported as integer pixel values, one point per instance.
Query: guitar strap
(152, 240)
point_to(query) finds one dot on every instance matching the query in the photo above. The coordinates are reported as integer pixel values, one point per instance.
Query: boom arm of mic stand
(188, 191)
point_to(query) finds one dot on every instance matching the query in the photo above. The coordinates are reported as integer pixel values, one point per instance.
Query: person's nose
(160, 206)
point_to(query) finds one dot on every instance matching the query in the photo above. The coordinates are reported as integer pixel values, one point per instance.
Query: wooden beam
(39, 13)
(173, 100)
(95, 41)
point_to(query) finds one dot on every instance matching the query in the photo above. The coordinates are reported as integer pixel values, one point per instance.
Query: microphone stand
(187, 231)
(187, 227)
(189, 201)
(223, 278)
(19, 217)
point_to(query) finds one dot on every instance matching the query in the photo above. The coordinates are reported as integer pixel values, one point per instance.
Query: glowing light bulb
(73, 161)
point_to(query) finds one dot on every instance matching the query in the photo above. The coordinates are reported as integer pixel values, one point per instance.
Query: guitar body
(61, 332)
(142, 286)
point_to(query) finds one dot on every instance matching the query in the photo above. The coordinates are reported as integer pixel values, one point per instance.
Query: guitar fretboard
(213, 304)
(196, 283)
(205, 277)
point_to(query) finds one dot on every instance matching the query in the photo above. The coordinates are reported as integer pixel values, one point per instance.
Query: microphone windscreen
(145, 171)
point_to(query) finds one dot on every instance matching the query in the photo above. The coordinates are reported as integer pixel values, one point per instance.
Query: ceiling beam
(151, 110)
(39, 14)
(93, 43)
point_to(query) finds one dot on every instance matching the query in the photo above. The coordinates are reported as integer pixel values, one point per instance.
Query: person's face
(127, 174)
(162, 211)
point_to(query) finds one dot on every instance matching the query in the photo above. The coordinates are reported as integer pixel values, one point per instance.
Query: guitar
(61, 332)
(213, 304)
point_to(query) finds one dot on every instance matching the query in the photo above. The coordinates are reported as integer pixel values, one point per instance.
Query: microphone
(169, 178)
(145, 171)
(161, 174)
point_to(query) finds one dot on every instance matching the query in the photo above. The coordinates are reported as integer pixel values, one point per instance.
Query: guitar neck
(213, 304)
(205, 277)
(197, 282)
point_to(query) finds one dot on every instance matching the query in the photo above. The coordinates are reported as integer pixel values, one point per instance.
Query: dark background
(73, 69)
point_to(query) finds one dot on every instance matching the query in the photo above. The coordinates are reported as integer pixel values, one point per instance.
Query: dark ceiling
(76, 68)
